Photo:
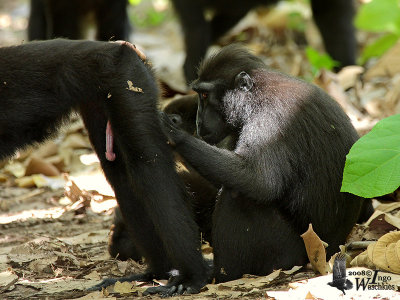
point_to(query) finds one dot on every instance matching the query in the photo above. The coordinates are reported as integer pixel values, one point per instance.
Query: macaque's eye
(204, 95)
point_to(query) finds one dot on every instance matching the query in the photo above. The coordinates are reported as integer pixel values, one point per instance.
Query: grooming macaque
(284, 172)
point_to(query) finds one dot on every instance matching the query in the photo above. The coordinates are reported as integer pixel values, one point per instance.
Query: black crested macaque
(114, 90)
(334, 19)
(184, 107)
(284, 172)
(51, 19)
(182, 111)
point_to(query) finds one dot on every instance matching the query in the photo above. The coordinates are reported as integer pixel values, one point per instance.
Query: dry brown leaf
(26, 253)
(3, 178)
(59, 285)
(50, 148)
(207, 251)
(309, 296)
(329, 82)
(66, 155)
(378, 252)
(25, 182)
(43, 265)
(331, 261)
(75, 141)
(93, 275)
(38, 165)
(388, 218)
(348, 76)
(97, 296)
(81, 198)
(212, 290)
(388, 64)
(362, 260)
(93, 237)
(7, 279)
(76, 126)
(388, 207)
(370, 251)
(15, 168)
(315, 250)
(292, 270)
(40, 180)
(392, 98)
(72, 191)
(250, 283)
(392, 259)
(72, 260)
(5, 204)
(374, 103)
(398, 249)
(133, 88)
(126, 288)
(384, 254)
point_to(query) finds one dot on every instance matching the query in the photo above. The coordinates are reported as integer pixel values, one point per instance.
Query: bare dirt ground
(56, 207)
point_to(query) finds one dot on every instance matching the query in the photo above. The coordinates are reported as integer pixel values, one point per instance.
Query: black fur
(68, 18)
(201, 203)
(334, 19)
(120, 242)
(43, 82)
(284, 172)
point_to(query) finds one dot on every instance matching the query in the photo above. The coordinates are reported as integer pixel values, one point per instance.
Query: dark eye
(204, 95)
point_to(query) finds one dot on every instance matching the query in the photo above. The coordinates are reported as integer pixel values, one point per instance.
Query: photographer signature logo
(339, 274)
(364, 279)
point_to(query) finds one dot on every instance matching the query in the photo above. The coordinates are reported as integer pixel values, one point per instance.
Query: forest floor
(54, 229)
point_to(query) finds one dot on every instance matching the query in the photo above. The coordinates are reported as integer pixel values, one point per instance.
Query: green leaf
(296, 22)
(319, 61)
(151, 17)
(373, 165)
(379, 16)
(379, 47)
(135, 2)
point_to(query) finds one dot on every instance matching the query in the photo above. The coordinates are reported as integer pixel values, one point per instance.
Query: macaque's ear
(243, 81)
